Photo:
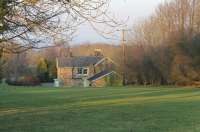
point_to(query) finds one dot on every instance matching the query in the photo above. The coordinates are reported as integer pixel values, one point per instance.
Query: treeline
(165, 48)
(39, 66)
(29, 68)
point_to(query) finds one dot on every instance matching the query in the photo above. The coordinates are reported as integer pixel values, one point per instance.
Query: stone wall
(99, 83)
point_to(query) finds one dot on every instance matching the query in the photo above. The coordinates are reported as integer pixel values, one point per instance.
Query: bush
(113, 80)
(24, 81)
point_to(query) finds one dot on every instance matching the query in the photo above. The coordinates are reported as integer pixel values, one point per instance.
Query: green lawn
(128, 109)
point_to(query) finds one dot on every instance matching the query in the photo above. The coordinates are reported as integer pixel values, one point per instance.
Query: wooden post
(124, 56)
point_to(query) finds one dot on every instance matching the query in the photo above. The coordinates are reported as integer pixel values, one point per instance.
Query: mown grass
(123, 109)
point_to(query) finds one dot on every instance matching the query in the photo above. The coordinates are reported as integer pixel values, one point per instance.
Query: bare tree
(170, 39)
(26, 23)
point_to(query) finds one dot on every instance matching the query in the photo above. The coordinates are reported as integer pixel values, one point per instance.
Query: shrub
(24, 81)
(113, 80)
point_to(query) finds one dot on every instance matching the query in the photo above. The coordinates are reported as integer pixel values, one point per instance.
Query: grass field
(128, 109)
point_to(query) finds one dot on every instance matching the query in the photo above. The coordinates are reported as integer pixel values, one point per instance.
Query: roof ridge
(79, 61)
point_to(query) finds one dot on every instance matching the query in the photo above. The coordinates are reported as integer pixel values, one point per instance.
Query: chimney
(98, 53)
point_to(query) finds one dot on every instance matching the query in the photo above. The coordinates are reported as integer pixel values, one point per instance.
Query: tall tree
(170, 39)
(25, 23)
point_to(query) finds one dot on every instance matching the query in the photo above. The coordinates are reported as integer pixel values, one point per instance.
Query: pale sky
(134, 9)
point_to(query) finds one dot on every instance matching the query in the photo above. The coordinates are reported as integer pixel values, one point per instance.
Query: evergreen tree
(42, 70)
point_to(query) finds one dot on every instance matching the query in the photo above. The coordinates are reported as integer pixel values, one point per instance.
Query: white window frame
(83, 68)
(77, 72)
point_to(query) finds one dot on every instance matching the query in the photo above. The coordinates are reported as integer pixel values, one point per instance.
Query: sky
(122, 9)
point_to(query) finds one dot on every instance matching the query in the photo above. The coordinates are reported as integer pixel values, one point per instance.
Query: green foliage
(52, 70)
(113, 80)
(42, 70)
(46, 70)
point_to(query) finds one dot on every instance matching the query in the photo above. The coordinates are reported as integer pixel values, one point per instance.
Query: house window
(82, 71)
(85, 71)
(79, 71)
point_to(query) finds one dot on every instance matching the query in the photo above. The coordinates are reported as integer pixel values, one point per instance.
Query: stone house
(85, 71)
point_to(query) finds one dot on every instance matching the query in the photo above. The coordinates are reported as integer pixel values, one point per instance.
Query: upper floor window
(82, 71)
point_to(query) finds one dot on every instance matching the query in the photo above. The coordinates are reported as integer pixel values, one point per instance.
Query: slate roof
(99, 75)
(82, 61)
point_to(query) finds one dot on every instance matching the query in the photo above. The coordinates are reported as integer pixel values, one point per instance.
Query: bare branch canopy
(25, 23)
